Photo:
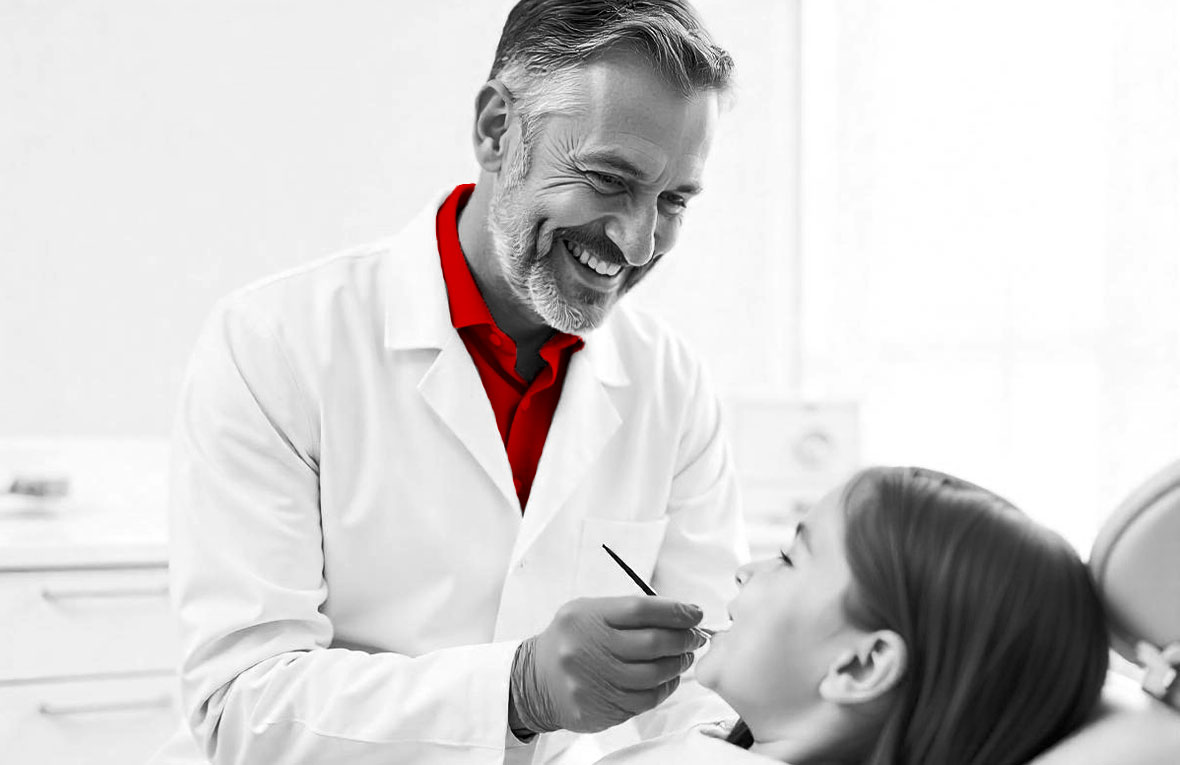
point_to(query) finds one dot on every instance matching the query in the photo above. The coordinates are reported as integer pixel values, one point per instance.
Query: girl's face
(788, 625)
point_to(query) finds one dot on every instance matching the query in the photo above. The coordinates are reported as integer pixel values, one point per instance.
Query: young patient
(915, 619)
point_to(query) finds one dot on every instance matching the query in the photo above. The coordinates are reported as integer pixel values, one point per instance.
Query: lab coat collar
(417, 313)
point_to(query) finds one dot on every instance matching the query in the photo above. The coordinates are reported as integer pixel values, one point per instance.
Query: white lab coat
(351, 569)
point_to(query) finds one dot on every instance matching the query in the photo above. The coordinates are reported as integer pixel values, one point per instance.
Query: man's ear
(493, 107)
(869, 670)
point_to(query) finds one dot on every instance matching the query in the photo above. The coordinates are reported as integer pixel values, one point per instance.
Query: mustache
(590, 239)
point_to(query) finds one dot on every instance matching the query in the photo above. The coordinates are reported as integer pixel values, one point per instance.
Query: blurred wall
(155, 155)
(992, 240)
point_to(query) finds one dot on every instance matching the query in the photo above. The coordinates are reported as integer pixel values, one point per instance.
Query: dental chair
(1136, 563)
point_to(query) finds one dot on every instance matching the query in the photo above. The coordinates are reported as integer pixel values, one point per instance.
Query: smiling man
(395, 468)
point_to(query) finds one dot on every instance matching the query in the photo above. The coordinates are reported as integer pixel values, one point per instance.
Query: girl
(915, 618)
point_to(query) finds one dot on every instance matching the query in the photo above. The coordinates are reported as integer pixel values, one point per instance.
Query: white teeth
(577, 251)
(591, 262)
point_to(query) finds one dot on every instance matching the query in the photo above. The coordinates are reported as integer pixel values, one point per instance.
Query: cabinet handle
(91, 593)
(104, 707)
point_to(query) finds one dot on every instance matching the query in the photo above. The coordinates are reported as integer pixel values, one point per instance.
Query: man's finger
(647, 644)
(640, 611)
(641, 701)
(647, 675)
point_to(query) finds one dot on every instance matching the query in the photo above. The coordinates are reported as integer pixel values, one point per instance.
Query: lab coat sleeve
(259, 683)
(704, 545)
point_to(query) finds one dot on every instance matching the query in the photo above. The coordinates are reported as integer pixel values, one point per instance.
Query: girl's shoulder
(702, 745)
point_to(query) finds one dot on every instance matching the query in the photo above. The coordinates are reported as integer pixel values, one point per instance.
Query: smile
(600, 267)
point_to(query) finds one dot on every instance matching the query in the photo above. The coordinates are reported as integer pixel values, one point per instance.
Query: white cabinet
(84, 622)
(86, 665)
(93, 721)
(87, 643)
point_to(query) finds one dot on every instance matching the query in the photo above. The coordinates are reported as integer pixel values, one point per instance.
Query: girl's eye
(786, 558)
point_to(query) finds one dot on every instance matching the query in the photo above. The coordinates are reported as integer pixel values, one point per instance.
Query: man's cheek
(638, 274)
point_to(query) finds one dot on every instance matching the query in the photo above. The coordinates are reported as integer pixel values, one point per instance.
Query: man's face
(605, 192)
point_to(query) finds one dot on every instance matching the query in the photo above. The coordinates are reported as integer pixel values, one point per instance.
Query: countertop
(114, 515)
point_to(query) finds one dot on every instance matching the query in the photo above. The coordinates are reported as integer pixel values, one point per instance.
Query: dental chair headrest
(1136, 563)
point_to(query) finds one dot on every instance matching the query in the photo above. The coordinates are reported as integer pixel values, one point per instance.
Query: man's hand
(602, 661)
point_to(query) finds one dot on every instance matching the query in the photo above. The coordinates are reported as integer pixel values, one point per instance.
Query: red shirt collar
(467, 305)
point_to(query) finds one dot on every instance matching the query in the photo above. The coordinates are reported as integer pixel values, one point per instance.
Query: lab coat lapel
(418, 317)
(585, 421)
(453, 389)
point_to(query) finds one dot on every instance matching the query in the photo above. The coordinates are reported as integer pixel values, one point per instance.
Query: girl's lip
(711, 632)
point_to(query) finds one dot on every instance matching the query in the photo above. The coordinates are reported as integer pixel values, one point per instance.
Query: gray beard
(531, 279)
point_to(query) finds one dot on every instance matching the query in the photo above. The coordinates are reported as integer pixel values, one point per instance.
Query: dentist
(394, 469)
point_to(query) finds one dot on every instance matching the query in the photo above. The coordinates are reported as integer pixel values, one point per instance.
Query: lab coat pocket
(636, 542)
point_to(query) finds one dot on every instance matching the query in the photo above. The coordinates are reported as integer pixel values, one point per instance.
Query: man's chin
(573, 321)
(583, 313)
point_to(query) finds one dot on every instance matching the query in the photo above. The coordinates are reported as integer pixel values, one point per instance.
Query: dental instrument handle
(700, 632)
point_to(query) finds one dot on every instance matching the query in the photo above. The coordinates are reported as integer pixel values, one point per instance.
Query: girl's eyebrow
(803, 534)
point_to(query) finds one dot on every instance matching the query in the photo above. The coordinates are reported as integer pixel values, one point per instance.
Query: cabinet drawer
(84, 622)
(93, 721)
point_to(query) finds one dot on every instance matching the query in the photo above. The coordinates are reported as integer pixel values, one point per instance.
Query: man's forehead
(625, 87)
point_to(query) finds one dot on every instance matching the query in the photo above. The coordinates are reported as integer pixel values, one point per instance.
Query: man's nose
(634, 232)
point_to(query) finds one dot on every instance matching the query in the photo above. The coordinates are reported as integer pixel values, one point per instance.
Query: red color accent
(524, 411)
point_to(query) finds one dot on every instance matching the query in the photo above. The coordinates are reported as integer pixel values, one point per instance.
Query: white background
(963, 216)
(991, 239)
(155, 155)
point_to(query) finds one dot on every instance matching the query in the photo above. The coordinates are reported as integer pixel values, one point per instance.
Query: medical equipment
(702, 632)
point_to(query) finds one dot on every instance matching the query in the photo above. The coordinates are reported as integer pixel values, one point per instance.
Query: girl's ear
(493, 107)
(869, 670)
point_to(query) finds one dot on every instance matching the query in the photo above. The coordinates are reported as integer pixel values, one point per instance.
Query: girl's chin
(705, 673)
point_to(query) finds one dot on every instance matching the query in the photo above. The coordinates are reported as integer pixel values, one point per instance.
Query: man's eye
(605, 179)
(674, 203)
(786, 558)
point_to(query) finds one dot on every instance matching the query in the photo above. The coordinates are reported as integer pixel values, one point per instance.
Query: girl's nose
(746, 572)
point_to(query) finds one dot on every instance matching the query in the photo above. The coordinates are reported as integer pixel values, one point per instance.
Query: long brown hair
(1007, 647)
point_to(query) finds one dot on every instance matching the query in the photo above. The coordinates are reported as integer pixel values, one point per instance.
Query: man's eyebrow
(624, 166)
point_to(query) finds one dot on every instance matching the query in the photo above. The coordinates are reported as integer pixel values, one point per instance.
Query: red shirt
(523, 410)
